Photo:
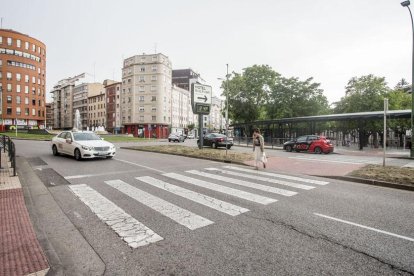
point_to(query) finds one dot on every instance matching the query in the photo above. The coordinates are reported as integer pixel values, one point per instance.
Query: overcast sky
(329, 40)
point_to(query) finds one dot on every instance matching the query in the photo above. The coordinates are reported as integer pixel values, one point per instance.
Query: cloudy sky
(329, 40)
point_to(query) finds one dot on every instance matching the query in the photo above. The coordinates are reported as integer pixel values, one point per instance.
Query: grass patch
(25, 135)
(205, 153)
(124, 138)
(388, 173)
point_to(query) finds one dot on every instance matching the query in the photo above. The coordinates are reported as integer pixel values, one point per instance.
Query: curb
(189, 156)
(369, 182)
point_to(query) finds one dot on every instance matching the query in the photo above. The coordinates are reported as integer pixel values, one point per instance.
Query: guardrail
(8, 145)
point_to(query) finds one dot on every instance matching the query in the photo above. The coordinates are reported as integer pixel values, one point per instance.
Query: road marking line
(222, 189)
(222, 206)
(333, 161)
(178, 214)
(133, 232)
(311, 181)
(366, 227)
(94, 175)
(245, 183)
(281, 182)
(135, 164)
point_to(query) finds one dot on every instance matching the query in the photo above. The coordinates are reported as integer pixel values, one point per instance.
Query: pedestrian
(259, 153)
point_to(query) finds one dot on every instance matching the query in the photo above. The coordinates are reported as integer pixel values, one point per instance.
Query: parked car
(216, 140)
(309, 143)
(175, 137)
(82, 144)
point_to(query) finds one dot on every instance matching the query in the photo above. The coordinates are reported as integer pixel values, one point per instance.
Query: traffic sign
(201, 98)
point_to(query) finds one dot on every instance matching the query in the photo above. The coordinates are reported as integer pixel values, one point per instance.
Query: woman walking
(260, 155)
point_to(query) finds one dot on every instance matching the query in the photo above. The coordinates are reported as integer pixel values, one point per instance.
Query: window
(26, 111)
(9, 99)
(129, 80)
(153, 109)
(18, 100)
(154, 68)
(154, 78)
(26, 78)
(154, 118)
(142, 69)
(9, 111)
(141, 118)
(1, 40)
(1, 74)
(33, 48)
(142, 78)
(9, 87)
(18, 88)
(33, 112)
(33, 102)
(141, 109)
(26, 101)
(141, 88)
(26, 89)
(19, 43)
(154, 98)
(154, 58)
(9, 41)
(26, 45)
(141, 98)
(18, 111)
(18, 77)
(9, 76)
(153, 88)
(33, 79)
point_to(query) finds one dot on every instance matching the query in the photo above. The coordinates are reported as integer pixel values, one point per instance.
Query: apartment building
(215, 119)
(184, 77)
(62, 94)
(49, 116)
(80, 103)
(146, 95)
(22, 80)
(113, 106)
(96, 106)
(181, 111)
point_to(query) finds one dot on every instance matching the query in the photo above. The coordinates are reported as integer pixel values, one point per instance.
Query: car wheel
(55, 150)
(78, 155)
(169, 140)
(318, 150)
(288, 148)
(228, 147)
(109, 157)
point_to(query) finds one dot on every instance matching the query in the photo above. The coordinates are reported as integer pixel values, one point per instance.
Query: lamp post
(227, 104)
(407, 4)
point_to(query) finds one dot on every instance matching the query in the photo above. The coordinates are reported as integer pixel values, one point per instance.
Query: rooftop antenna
(155, 47)
(94, 64)
(1, 23)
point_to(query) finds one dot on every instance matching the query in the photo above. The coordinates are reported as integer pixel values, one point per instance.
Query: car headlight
(87, 148)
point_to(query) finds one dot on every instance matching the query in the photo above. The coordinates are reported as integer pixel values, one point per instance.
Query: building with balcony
(22, 81)
(96, 106)
(146, 95)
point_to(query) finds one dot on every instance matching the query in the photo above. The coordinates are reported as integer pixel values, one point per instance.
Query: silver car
(82, 144)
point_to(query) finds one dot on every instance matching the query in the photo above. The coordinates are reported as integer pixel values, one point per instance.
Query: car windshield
(85, 136)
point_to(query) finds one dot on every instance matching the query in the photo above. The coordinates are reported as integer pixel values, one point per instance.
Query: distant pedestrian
(259, 153)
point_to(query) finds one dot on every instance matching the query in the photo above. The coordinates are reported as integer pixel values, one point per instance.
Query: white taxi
(82, 144)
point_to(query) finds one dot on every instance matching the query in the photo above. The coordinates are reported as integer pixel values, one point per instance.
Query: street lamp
(407, 4)
(227, 104)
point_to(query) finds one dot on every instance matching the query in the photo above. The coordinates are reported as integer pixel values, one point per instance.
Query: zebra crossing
(136, 234)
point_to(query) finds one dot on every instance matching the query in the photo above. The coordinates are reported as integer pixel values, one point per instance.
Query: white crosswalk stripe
(311, 181)
(266, 179)
(222, 189)
(180, 215)
(136, 234)
(244, 183)
(205, 200)
(133, 232)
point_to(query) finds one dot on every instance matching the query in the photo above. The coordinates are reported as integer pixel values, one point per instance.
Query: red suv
(309, 143)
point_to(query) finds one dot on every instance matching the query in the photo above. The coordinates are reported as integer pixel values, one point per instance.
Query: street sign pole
(200, 103)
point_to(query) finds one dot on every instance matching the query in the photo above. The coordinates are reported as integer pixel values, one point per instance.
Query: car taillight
(221, 140)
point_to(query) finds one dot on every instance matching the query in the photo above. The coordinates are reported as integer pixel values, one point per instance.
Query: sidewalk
(20, 251)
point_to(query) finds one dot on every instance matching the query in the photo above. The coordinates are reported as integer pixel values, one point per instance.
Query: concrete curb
(189, 156)
(369, 182)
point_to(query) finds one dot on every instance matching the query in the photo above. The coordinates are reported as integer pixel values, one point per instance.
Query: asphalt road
(90, 213)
